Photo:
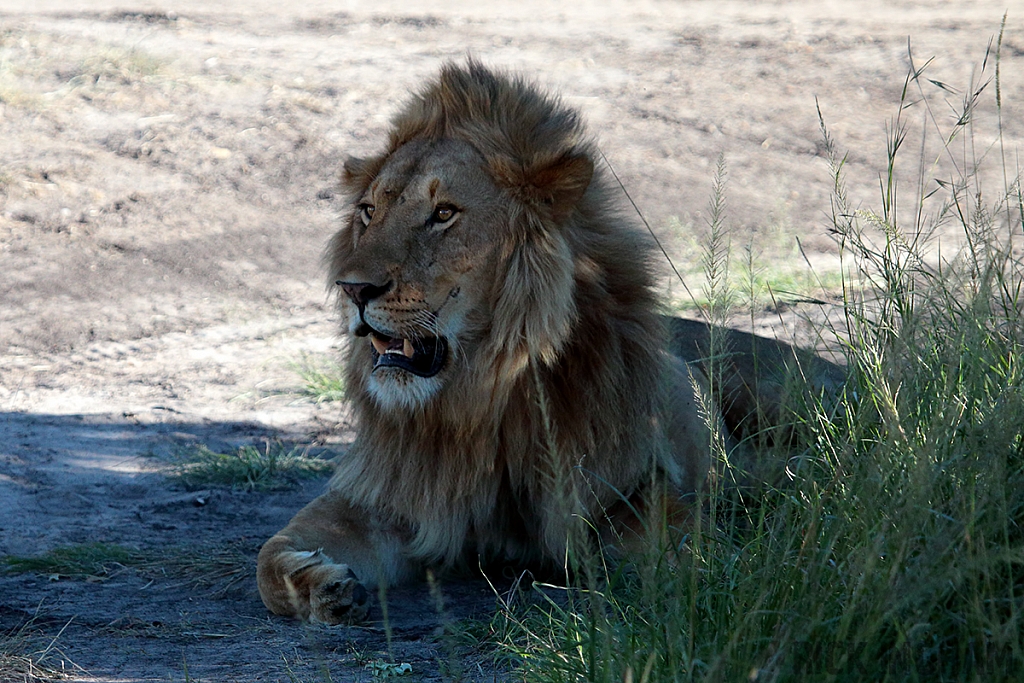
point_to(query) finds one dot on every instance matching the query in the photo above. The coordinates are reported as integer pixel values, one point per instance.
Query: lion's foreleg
(319, 567)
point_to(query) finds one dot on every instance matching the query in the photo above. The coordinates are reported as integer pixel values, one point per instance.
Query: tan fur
(558, 400)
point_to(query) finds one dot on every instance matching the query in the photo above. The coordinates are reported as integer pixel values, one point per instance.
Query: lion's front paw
(339, 600)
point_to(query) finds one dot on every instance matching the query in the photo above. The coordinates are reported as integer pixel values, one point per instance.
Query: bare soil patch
(167, 183)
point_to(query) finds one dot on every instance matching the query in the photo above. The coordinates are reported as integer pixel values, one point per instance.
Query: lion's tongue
(402, 346)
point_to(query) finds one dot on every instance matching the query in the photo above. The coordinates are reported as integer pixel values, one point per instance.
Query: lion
(509, 367)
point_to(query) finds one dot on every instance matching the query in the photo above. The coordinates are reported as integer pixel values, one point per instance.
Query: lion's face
(414, 265)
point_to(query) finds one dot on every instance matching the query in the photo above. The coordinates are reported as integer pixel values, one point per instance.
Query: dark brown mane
(574, 327)
(502, 115)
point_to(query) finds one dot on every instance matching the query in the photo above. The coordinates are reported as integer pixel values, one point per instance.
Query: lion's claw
(343, 601)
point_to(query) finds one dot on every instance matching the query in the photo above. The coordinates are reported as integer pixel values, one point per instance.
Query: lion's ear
(554, 187)
(563, 183)
(359, 172)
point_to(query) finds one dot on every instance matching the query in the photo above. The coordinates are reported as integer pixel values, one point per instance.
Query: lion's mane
(567, 375)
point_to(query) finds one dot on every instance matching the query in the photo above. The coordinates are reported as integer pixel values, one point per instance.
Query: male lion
(508, 366)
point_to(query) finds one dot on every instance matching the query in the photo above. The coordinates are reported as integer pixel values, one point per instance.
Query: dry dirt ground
(167, 182)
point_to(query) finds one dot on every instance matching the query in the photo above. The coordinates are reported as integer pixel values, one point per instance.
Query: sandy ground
(167, 183)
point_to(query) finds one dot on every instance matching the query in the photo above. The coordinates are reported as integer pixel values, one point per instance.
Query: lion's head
(456, 251)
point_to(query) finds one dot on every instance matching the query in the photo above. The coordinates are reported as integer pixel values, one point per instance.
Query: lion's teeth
(393, 347)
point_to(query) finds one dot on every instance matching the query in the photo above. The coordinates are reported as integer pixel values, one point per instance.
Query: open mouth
(423, 356)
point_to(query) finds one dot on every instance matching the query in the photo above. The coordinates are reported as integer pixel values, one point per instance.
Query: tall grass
(896, 553)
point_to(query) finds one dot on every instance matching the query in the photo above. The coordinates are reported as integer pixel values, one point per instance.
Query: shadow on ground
(190, 611)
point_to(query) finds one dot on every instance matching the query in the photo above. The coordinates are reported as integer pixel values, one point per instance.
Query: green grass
(322, 381)
(897, 552)
(75, 561)
(772, 273)
(123, 67)
(764, 288)
(217, 568)
(249, 468)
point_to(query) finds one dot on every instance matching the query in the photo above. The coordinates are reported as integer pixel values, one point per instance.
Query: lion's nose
(363, 292)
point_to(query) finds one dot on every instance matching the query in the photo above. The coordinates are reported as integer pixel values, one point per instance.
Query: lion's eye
(443, 214)
(366, 213)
